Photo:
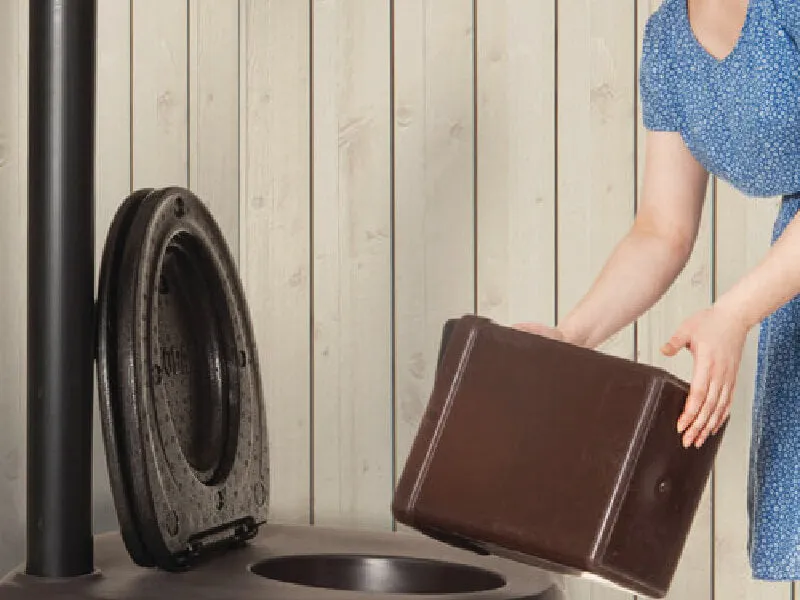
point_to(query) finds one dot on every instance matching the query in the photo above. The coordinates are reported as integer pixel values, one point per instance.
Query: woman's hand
(716, 338)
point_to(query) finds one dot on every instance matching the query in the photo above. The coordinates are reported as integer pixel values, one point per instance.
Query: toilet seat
(186, 447)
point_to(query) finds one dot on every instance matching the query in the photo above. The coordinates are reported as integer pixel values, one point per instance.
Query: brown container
(556, 456)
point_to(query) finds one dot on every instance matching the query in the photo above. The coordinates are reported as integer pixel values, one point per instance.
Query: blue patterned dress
(740, 118)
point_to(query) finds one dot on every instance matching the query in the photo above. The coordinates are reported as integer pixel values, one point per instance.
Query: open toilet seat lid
(179, 384)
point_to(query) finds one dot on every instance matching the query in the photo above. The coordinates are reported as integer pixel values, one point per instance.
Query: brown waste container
(558, 456)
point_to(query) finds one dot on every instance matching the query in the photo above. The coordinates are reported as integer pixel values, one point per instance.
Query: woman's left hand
(716, 338)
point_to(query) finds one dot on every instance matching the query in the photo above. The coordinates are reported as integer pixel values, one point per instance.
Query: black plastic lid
(180, 392)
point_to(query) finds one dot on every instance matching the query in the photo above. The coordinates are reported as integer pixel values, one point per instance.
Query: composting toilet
(186, 444)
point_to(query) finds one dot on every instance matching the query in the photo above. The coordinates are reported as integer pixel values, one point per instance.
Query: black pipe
(60, 286)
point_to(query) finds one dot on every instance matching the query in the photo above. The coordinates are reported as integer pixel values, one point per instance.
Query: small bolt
(180, 208)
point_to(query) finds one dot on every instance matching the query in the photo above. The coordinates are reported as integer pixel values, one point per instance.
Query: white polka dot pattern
(740, 117)
(773, 499)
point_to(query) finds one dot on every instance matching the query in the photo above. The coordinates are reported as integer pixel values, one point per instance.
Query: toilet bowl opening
(197, 358)
(378, 574)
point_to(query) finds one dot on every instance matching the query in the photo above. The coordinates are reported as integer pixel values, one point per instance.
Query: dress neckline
(687, 25)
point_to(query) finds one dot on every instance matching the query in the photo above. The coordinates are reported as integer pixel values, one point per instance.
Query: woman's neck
(717, 24)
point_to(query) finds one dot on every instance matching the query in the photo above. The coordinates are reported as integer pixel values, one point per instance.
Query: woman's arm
(644, 265)
(651, 255)
(716, 336)
(774, 282)
(649, 258)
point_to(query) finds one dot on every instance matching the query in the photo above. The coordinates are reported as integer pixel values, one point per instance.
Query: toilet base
(367, 561)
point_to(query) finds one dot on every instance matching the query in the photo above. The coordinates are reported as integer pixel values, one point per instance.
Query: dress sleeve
(789, 16)
(660, 109)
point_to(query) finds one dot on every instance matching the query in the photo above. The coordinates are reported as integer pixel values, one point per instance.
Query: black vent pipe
(60, 286)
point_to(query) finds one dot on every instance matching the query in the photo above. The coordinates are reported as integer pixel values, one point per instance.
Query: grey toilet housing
(185, 436)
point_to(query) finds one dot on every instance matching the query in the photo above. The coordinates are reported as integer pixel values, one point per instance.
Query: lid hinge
(219, 538)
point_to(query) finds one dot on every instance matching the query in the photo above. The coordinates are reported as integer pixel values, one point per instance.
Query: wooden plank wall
(13, 263)
(378, 167)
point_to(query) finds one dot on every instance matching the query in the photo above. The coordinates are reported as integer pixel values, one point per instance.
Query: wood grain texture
(596, 97)
(218, 96)
(214, 111)
(596, 161)
(160, 93)
(434, 194)
(352, 299)
(516, 160)
(13, 270)
(743, 228)
(275, 234)
(112, 183)
(690, 293)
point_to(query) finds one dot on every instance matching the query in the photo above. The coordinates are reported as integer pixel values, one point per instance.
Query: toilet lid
(179, 384)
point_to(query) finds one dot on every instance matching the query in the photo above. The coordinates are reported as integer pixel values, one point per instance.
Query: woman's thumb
(677, 342)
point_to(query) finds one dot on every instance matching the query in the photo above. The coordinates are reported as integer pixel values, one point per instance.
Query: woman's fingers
(715, 339)
(726, 406)
(725, 414)
(709, 403)
(715, 408)
(698, 392)
(716, 416)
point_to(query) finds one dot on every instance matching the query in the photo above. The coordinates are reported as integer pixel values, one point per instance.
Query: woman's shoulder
(661, 28)
(785, 14)
(658, 68)
(787, 11)
(664, 20)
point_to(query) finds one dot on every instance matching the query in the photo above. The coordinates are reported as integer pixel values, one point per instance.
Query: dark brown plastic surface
(301, 562)
(186, 444)
(554, 455)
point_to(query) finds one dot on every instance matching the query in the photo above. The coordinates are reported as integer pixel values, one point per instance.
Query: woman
(720, 89)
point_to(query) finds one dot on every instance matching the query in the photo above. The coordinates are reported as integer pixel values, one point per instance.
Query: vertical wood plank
(434, 194)
(275, 233)
(596, 76)
(644, 8)
(13, 269)
(160, 93)
(744, 227)
(691, 292)
(22, 165)
(214, 111)
(112, 182)
(516, 160)
(353, 482)
(596, 161)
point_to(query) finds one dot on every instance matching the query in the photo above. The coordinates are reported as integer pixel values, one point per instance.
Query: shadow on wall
(104, 512)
